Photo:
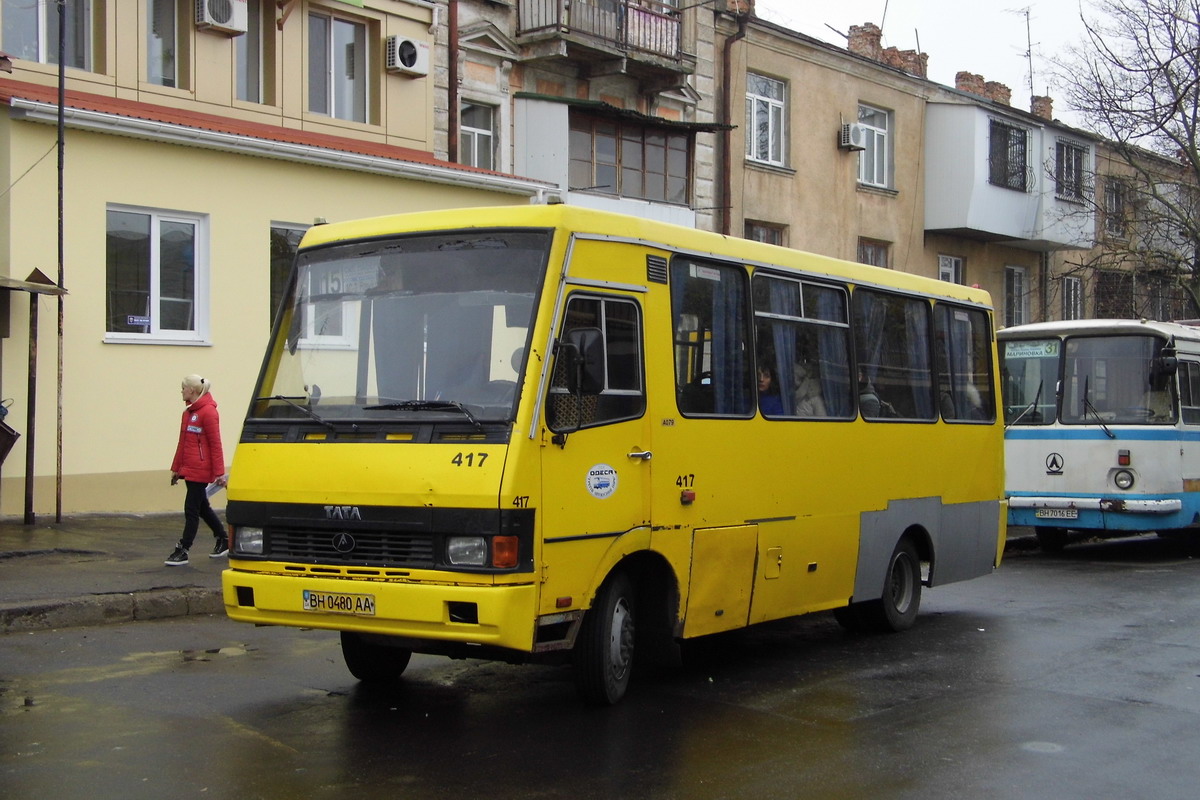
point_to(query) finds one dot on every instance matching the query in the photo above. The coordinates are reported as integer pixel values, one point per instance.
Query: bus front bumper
(1062, 507)
(497, 616)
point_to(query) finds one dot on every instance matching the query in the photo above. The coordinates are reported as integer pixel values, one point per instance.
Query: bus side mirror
(1162, 368)
(583, 349)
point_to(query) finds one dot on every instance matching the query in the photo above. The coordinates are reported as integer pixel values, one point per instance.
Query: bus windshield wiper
(1087, 406)
(428, 405)
(308, 412)
(1036, 397)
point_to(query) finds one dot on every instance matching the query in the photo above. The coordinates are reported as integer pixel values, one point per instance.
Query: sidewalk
(89, 570)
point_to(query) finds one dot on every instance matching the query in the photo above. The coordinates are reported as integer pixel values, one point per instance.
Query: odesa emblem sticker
(602, 481)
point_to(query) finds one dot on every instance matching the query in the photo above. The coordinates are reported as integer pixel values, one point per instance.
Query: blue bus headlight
(466, 551)
(248, 540)
(1123, 478)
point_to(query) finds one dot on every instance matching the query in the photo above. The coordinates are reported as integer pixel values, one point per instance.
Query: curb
(105, 609)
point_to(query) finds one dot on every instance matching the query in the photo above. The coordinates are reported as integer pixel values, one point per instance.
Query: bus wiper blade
(308, 412)
(1087, 406)
(1036, 397)
(428, 405)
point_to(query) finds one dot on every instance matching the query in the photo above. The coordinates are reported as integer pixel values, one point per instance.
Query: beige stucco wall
(121, 401)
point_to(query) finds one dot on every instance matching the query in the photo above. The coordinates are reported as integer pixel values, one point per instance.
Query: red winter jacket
(199, 456)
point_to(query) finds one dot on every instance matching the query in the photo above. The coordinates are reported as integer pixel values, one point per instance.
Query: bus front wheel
(897, 609)
(603, 656)
(372, 662)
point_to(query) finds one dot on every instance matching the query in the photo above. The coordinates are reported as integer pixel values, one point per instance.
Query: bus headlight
(466, 551)
(248, 540)
(1123, 478)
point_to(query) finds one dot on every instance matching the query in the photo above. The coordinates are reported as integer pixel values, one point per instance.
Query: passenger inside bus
(769, 401)
(809, 401)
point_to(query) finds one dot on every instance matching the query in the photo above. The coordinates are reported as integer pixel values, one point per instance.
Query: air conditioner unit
(853, 137)
(406, 56)
(222, 16)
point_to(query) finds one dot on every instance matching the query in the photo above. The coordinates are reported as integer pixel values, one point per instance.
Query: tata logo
(343, 543)
(342, 512)
(1054, 464)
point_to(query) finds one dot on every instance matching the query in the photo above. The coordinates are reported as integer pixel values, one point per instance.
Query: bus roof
(1093, 327)
(661, 234)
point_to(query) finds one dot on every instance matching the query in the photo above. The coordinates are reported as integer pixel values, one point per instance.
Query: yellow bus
(547, 432)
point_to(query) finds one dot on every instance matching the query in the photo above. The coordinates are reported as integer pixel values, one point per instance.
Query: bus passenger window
(622, 396)
(803, 338)
(714, 373)
(963, 351)
(1189, 391)
(891, 339)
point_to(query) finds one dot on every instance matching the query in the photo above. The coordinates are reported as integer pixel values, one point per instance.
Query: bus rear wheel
(603, 656)
(897, 609)
(372, 662)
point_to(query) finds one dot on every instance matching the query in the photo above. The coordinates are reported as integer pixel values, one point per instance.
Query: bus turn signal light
(504, 551)
(1123, 458)
(687, 497)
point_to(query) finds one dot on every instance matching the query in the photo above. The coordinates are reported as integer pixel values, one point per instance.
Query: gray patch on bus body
(963, 538)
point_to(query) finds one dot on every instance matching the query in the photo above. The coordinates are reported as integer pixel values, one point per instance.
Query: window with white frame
(950, 269)
(156, 276)
(1008, 156)
(766, 106)
(477, 135)
(1016, 296)
(1070, 161)
(162, 42)
(249, 52)
(1072, 295)
(30, 31)
(874, 162)
(337, 67)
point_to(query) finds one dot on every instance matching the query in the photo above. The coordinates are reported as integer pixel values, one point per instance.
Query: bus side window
(622, 396)
(964, 364)
(1189, 391)
(803, 342)
(891, 339)
(713, 362)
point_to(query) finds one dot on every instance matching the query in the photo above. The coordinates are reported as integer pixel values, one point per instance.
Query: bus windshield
(1107, 379)
(1030, 380)
(432, 326)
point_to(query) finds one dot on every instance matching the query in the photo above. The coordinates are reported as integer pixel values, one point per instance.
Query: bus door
(596, 465)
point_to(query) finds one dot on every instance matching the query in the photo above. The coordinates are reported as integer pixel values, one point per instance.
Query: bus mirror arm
(1163, 367)
(583, 349)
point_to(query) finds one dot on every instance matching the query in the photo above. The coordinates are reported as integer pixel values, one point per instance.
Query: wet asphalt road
(1061, 676)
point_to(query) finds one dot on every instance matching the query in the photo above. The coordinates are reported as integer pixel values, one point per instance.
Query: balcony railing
(633, 25)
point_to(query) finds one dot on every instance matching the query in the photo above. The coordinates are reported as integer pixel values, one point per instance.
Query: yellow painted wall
(121, 401)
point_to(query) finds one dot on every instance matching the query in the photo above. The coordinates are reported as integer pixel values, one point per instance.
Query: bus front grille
(379, 548)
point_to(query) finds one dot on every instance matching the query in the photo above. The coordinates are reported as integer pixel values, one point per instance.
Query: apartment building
(853, 152)
(201, 138)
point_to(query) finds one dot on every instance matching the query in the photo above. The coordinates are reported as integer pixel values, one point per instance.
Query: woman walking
(199, 461)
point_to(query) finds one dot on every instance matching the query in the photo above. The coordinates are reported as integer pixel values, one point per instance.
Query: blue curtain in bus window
(729, 346)
(784, 299)
(916, 318)
(835, 359)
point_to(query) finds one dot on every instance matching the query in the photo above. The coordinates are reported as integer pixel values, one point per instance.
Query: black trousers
(196, 508)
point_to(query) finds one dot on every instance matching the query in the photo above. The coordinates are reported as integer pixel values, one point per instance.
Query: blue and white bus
(1102, 427)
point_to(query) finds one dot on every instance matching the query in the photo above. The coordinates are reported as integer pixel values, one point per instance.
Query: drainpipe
(727, 134)
(452, 91)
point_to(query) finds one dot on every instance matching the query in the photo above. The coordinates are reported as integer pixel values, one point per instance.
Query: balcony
(639, 38)
(968, 196)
